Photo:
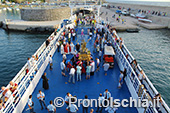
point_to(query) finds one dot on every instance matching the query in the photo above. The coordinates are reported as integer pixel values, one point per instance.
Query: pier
(21, 25)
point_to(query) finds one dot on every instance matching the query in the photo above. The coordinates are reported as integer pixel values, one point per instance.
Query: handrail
(149, 83)
(26, 78)
(136, 77)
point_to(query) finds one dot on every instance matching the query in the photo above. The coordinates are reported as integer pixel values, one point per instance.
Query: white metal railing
(24, 80)
(133, 78)
(140, 91)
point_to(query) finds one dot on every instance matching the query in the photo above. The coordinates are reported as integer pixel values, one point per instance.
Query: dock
(130, 22)
(150, 26)
(21, 25)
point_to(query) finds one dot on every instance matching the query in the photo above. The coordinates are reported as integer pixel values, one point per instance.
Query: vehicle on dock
(125, 12)
(109, 55)
(118, 11)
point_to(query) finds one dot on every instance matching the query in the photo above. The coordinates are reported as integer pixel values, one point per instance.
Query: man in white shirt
(98, 64)
(92, 67)
(63, 67)
(100, 99)
(67, 98)
(107, 95)
(5, 92)
(51, 108)
(72, 109)
(120, 79)
(50, 62)
(74, 35)
(106, 67)
(31, 104)
(72, 74)
(29, 64)
(41, 97)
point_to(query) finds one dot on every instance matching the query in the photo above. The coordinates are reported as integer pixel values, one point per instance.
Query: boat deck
(59, 86)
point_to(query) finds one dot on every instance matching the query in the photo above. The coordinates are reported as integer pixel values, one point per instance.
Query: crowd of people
(74, 65)
(72, 107)
(6, 92)
(158, 13)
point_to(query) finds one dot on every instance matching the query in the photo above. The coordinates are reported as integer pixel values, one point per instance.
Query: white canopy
(108, 50)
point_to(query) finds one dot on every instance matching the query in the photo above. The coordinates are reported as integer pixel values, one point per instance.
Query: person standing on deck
(98, 64)
(50, 62)
(31, 104)
(78, 47)
(120, 79)
(58, 46)
(63, 67)
(107, 95)
(82, 33)
(74, 35)
(72, 75)
(72, 48)
(41, 97)
(101, 98)
(29, 64)
(92, 110)
(90, 35)
(62, 49)
(51, 108)
(111, 109)
(72, 108)
(69, 38)
(45, 81)
(79, 72)
(106, 67)
(92, 67)
(85, 105)
(64, 57)
(67, 98)
(100, 55)
(88, 69)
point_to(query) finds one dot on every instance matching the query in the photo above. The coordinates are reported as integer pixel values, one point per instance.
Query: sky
(144, 0)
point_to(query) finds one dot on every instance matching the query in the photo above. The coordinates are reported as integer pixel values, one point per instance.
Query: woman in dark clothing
(45, 81)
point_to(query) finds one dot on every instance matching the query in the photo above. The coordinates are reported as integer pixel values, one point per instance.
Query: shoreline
(138, 4)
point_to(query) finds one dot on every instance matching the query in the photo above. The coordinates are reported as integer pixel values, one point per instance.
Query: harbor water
(15, 48)
(149, 47)
(151, 50)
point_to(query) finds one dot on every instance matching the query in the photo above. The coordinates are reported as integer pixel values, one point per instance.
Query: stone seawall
(45, 14)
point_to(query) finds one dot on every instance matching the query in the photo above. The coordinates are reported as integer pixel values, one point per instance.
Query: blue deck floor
(92, 87)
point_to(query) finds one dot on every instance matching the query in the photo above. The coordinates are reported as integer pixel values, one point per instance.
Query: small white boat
(144, 20)
(138, 15)
(0, 10)
(132, 15)
(17, 9)
(4, 9)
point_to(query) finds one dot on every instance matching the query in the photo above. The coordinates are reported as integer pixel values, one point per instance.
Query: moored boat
(144, 20)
